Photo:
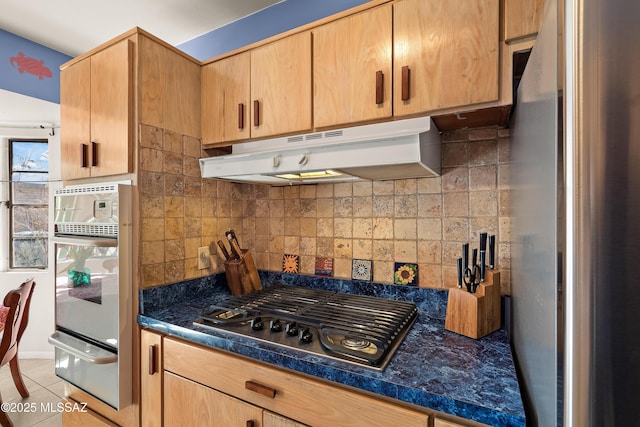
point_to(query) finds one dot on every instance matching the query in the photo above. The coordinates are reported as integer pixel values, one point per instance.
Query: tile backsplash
(419, 221)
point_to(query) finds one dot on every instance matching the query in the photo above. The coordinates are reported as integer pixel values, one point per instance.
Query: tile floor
(45, 391)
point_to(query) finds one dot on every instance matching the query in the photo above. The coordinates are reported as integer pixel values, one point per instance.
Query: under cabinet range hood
(393, 150)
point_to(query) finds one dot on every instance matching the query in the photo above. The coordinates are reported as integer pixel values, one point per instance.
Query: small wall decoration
(30, 65)
(405, 274)
(362, 269)
(290, 263)
(324, 266)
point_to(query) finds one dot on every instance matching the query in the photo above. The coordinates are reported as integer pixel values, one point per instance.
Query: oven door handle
(102, 242)
(81, 349)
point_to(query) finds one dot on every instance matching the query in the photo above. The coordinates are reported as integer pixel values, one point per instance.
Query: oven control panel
(102, 209)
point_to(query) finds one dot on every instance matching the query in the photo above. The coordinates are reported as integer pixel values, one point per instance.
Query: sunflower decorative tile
(324, 266)
(362, 269)
(290, 263)
(405, 274)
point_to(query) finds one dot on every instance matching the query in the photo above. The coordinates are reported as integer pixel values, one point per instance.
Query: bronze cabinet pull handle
(84, 155)
(250, 423)
(260, 389)
(379, 87)
(241, 116)
(256, 113)
(94, 153)
(406, 79)
(152, 360)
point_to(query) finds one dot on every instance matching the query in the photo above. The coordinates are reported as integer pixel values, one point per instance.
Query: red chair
(16, 306)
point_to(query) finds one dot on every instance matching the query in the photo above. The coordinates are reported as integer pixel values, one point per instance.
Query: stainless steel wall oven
(93, 307)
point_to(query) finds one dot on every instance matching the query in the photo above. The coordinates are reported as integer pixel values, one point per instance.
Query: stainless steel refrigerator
(575, 217)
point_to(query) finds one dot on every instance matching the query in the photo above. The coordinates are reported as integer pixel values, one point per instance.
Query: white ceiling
(76, 26)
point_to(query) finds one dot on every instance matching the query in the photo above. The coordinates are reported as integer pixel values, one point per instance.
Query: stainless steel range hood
(393, 150)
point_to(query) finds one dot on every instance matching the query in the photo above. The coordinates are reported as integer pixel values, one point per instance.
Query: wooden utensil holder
(478, 314)
(242, 275)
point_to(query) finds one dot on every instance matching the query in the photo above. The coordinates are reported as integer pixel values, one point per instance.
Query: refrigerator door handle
(81, 349)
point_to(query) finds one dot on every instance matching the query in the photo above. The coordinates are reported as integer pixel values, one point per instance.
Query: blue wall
(268, 22)
(40, 66)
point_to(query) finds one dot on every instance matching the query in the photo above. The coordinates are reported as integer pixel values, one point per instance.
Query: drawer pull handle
(261, 389)
(84, 155)
(406, 81)
(250, 423)
(256, 113)
(241, 116)
(379, 87)
(152, 360)
(94, 153)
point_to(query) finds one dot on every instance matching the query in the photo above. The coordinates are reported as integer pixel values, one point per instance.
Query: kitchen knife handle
(241, 115)
(235, 248)
(492, 251)
(94, 153)
(459, 272)
(483, 254)
(260, 389)
(406, 79)
(84, 155)
(224, 250)
(256, 113)
(483, 241)
(379, 87)
(474, 257)
(465, 255)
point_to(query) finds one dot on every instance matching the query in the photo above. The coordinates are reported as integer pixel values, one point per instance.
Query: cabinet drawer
(309, 401)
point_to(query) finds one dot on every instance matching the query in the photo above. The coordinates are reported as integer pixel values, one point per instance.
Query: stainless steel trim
(101, 242)
(82, 349)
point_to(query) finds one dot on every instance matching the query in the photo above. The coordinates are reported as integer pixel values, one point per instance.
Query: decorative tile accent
(324, 266)
(405, 274)
(362, 269)
(290, 263)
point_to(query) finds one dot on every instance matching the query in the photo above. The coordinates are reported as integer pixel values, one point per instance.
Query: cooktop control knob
(305, 336)
(291, 329)
(275, 325)
(257, 324)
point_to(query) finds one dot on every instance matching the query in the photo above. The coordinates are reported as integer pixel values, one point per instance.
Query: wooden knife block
(475, 315)
(242, 275)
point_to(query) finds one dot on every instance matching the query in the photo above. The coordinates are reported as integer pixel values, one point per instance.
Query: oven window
(83, 271)
(29, 197)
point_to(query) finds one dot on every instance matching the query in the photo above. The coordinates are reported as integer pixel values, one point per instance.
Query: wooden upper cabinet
(169, 88)
(281, 86)
(95, 111)
(75, 118)
(352, 73)
(446, 54)
(226, 95)
(522, 18)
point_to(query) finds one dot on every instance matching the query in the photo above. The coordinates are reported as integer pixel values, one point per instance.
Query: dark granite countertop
(433, 368)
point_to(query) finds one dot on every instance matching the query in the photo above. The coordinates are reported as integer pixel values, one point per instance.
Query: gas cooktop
(359, 329)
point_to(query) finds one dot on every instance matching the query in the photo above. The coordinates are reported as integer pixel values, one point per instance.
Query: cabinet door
(75, 116)
(352, 68)
(451, 51)
(522, 18)
(150, 379)
(225, 100)
(281, 86)
(274, 420)
(187, 403)
(111, 110)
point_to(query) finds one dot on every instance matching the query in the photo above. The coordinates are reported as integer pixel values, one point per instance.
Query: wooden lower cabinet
(274, 420)
(298, 397)
(188, 403)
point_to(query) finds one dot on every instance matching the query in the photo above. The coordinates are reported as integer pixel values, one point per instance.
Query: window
(28, 203)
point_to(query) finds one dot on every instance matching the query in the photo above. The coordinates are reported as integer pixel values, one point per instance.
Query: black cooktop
(360, 329)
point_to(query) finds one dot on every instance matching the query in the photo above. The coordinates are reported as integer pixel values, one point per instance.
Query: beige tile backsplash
(423, 221)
